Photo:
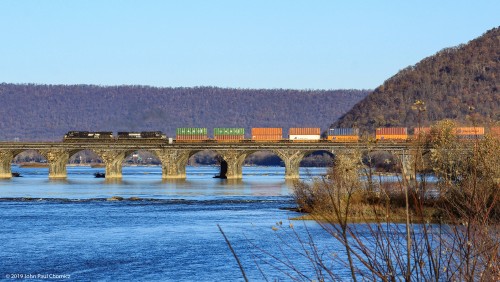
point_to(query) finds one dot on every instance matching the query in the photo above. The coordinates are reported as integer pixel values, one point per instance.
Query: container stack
(191, 134)
(343, 134)
(267, 134)
(469, 132)
(305, 134)
(391, 133)
(229, 134)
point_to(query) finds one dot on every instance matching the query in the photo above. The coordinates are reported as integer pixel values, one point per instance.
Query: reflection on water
(147, 182)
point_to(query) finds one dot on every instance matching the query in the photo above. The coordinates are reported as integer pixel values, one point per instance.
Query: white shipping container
(305, 137)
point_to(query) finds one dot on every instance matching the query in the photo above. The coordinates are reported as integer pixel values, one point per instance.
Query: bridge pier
(292, 159)
(113, 160)
(6, 157)
(57, 160)
(173, 163)
(234, 161)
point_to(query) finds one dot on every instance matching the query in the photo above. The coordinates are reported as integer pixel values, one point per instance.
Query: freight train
(340, 135)
(82, 136)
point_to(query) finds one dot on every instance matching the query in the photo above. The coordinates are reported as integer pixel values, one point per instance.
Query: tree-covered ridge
(47, 112)
(451, 83)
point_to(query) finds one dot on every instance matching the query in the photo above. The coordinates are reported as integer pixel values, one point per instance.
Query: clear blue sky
(243, 44)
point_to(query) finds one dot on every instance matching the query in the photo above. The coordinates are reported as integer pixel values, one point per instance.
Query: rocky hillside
(47, 112)
(456, 83)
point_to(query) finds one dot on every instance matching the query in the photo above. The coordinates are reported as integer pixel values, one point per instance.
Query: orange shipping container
(304, 131)
(267, 131)
(268, 137)
(469, 131)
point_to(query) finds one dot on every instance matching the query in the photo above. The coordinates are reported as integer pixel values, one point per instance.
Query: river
(168, 231)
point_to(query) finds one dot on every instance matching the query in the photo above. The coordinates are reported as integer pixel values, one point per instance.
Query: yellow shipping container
(389, 137)
(469, 131)
(344, 138)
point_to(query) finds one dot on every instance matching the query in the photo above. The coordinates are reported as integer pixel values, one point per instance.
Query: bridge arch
(263, 157)
(8, 156)
(322, 158)
(113, 160)
(84, 156)
(28, 156)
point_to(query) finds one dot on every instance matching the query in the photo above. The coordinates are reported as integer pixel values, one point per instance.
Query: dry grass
(453, 232)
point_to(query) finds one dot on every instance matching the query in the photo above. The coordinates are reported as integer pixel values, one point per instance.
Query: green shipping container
(229, 131)
(191, 131)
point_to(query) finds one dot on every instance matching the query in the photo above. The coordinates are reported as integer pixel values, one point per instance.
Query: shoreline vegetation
(447, 230)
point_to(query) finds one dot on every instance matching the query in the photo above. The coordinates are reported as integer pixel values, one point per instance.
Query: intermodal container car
(187, 134)
(343, 134)
(267, 134)
(469, 133)
(229, 134)
(304, 134)
(391, 133)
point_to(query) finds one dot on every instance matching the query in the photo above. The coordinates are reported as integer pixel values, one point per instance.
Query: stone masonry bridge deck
(174, 157)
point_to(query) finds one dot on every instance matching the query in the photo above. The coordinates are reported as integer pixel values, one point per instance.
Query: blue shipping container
(343, 131)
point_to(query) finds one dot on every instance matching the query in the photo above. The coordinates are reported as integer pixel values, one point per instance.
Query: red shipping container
(268, 137)
(304, 131)
(191, 137)
(392, 131)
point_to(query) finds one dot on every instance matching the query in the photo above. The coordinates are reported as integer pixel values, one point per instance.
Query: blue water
(169, 233)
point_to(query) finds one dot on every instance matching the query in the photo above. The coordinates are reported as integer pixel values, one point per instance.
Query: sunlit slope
(456, 83)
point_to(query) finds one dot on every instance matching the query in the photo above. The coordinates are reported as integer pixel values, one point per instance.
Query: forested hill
(449, 83)
(47, 112)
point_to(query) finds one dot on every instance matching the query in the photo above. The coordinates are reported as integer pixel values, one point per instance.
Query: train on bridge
(232, 135)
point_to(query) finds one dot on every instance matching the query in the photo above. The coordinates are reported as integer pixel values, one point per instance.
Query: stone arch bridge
(174, 157)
